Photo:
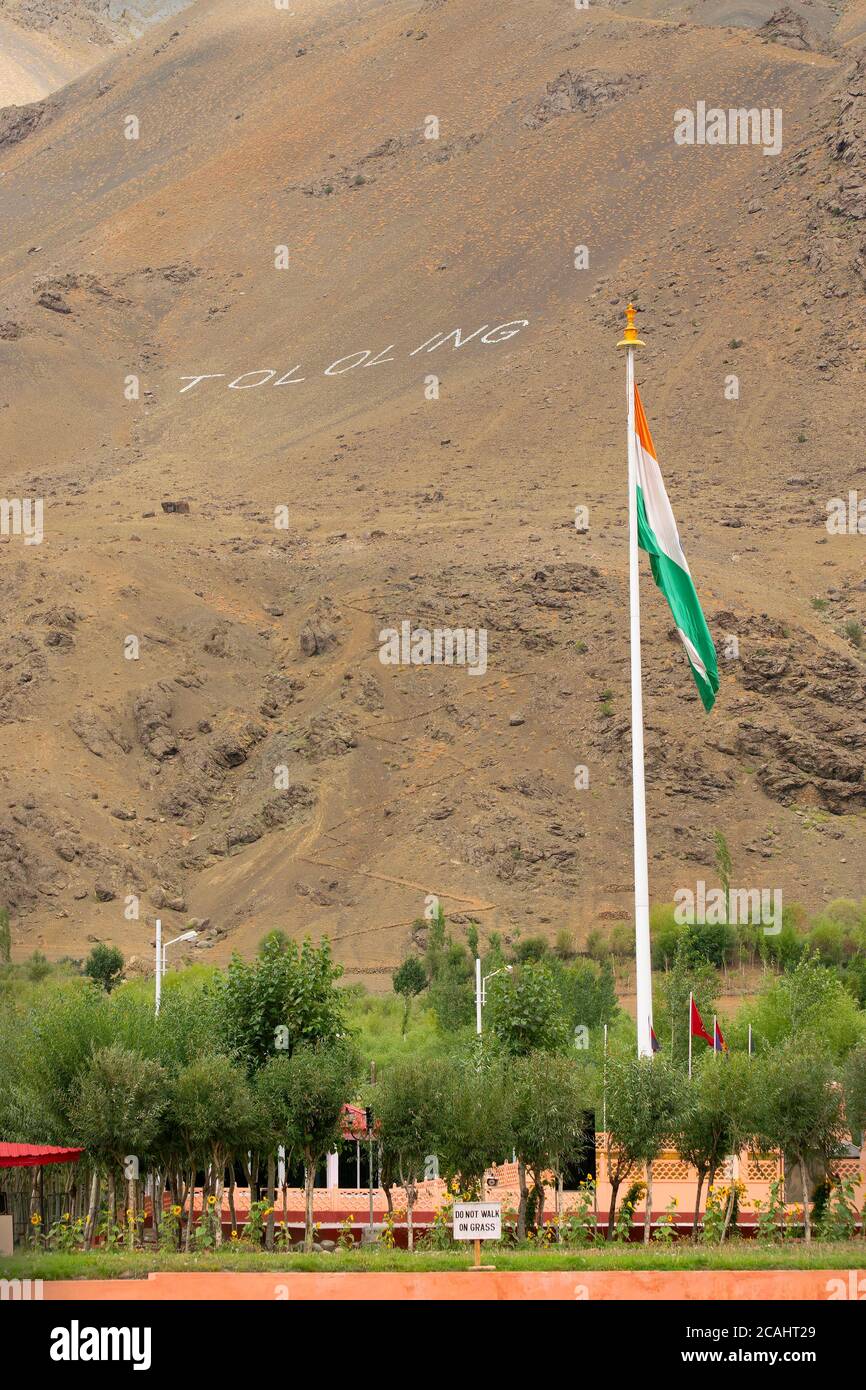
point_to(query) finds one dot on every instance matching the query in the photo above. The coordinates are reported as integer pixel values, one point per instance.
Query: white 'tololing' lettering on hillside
(255, 377)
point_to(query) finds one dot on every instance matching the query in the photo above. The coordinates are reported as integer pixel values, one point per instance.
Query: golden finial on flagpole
(630, 338)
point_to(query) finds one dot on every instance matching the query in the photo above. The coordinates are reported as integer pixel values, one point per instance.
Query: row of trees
(791, 1099)
(554, 990)
(475, 1111)
(799, 1094)
(551, 1001)
(471, 1111)
(260, 1056)
(235, 1066)
(836, 937)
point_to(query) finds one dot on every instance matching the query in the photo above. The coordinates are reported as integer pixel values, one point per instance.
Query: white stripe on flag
(659, 514)
(694, 658)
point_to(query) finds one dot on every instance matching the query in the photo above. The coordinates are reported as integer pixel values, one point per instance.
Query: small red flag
(698, 1029)
(719, 1044)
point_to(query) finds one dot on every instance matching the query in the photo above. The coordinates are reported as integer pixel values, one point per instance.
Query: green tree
(284, 999)
(588, 994)
(214, 1114)
(531, 950)
(409, 979)
(712, 943)
(473, 1121)
(495, 957)
(597, 945)
(408, 1113)
(665, 933)
(704, 1137)
(645, 1099)
(435, 951)
(622, 941)
(799, 1110)
(104, 965)
(37, 968)
(188, 1026)
(5, 937)
(276, 937)
(853, 977)
(451, 988)
(786, 948)
(45, 1053)
(547, 1097)
(738, 1084)
(524, 1011)
(808, 1002)
(303, 1094)
(121, 1098)
(564, 945)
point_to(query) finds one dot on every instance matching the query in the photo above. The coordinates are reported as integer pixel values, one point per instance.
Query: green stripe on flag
(679, 590)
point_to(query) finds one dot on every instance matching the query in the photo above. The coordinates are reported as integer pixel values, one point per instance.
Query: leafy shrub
(104, 965)
(531, 948)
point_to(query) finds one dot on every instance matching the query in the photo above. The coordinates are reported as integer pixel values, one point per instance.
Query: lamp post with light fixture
(481, 989)
(161, 958)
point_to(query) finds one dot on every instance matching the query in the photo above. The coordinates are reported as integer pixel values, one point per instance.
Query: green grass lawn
(739, 1254)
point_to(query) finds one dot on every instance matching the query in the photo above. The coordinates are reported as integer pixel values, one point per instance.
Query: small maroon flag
(697, 1025)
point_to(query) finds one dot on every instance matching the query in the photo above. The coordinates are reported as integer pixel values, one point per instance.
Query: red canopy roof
(354, 1122)
(34, 1155)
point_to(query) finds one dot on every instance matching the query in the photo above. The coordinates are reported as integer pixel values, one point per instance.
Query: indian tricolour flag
(658, 536)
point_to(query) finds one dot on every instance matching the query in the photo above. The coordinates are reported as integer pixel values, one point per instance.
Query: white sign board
(477, 1220)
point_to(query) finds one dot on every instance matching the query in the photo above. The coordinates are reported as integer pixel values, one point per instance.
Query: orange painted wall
(463, 1285)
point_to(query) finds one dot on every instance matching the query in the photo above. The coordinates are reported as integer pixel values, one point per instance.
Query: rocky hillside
(44, 44)
(308, 330)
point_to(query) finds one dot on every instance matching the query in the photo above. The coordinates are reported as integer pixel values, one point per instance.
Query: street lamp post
(481, 989)
(162, 958)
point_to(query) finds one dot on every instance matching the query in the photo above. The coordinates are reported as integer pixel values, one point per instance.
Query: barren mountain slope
(46, 43)
(258, 765)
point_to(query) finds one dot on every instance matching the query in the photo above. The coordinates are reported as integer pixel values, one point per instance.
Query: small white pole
(158, 977)
(604, 1086)
(691, 997)
(478, 995)
(750, 1039)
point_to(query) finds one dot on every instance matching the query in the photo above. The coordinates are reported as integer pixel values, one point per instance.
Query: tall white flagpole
(643, 965)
